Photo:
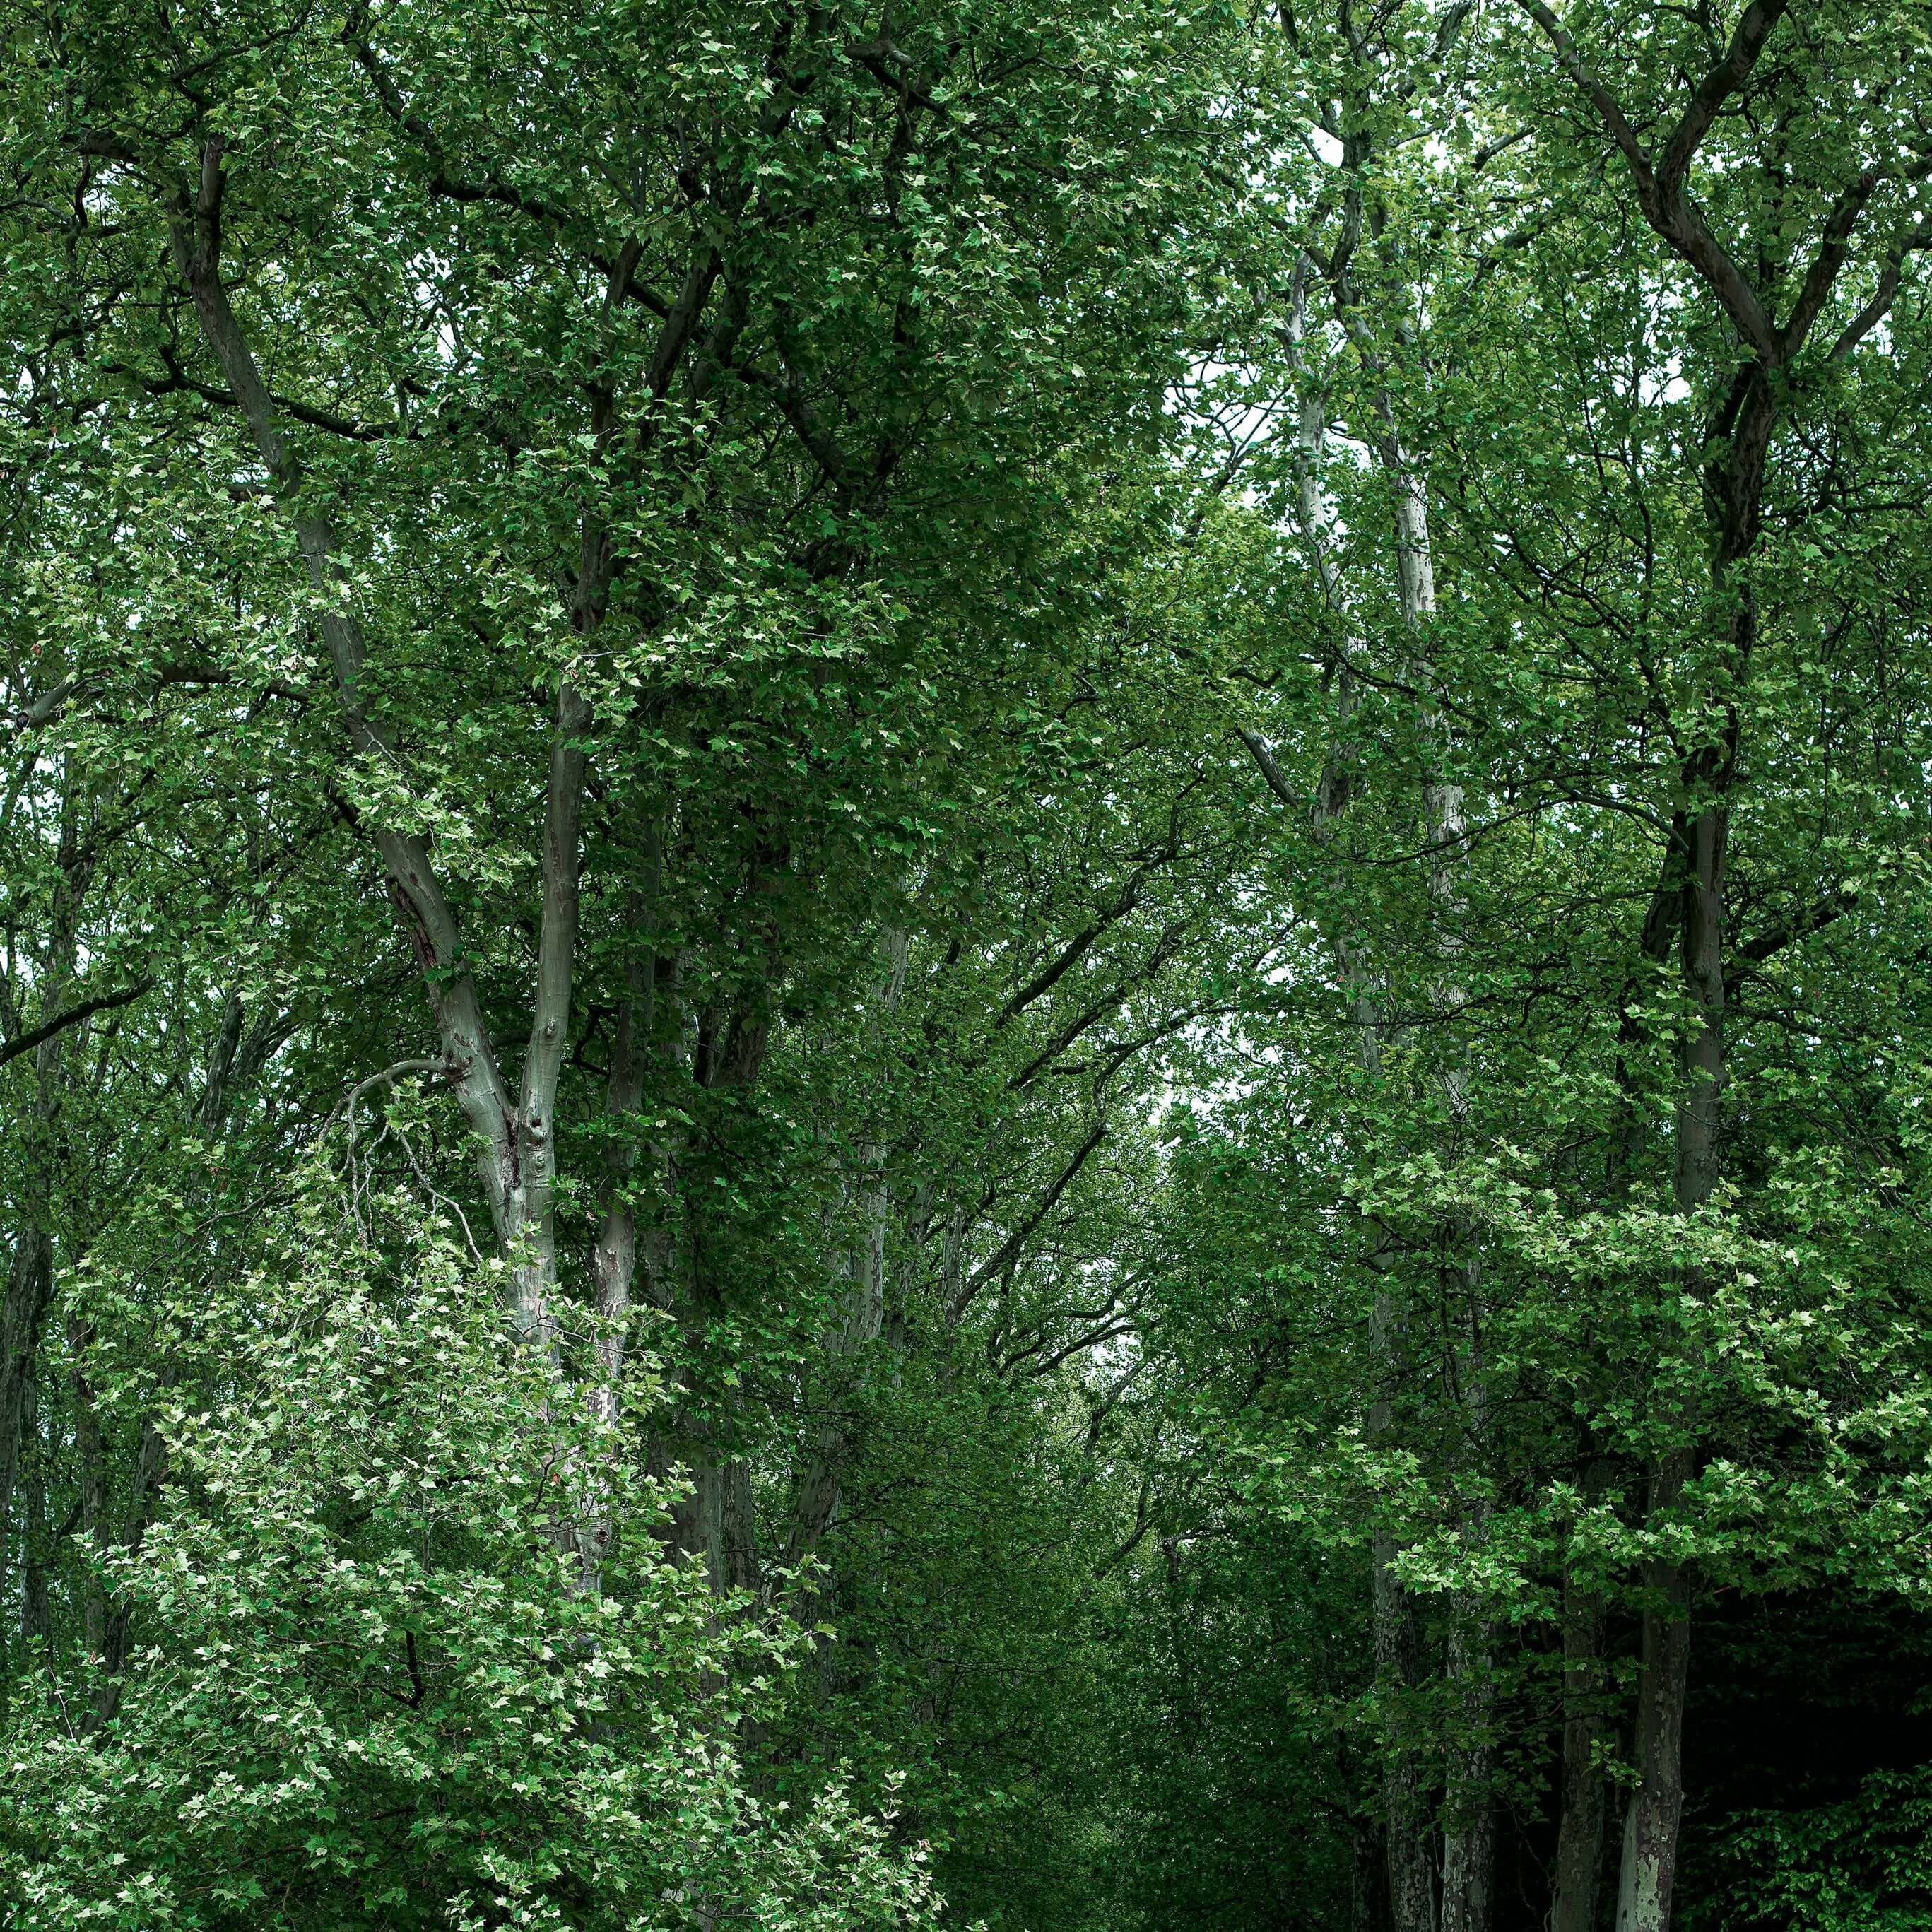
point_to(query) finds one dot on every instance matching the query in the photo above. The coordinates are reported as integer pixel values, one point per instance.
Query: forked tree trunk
(1734, 457)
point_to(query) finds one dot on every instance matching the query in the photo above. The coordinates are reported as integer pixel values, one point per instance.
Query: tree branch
(1666, 206)
(25, 1043)
(1716, 88)
(1892, 275)
(1263, 754)
(1008, 1250)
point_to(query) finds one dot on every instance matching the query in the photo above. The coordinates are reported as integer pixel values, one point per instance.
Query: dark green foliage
(965, 964)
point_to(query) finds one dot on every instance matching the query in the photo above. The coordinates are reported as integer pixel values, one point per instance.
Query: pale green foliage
(365, 1689)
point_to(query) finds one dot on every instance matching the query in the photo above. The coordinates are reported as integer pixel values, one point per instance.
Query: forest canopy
(966, 965)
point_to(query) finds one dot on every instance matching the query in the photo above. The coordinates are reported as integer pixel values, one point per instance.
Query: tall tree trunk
(1580, 1830)
(1407, 1783)
(29, 1289)
(1734, 482)
(1469, 1846)
(1368, 1880)
(1735, 453)
(1408, 1816)
(90, 1456)
(30, 1276)
(36, 1607)
(516, 1130)
(859, 1268)
(1469, 1815)
(614, 1256)
(1648, 1873)
(714, 1522)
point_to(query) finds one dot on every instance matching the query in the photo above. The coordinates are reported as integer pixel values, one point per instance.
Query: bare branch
(1263, 754)
(1716, 88)
(1008, 1251)
(25, 1043)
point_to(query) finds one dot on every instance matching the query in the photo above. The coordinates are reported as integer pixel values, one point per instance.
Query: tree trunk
(1405, 1781)
(1407, 1824)
(90, 1454)
(1368, 1880)
(36, 1608)
(30, 1276)
(1649, 1870)
(1469, 1835)
(29, 1288)
(1735, 450)
(1579, 1832)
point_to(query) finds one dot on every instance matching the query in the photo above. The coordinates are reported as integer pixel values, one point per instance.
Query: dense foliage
(966, 965)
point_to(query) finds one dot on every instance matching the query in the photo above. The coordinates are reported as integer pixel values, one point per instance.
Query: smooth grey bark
(1468, 1847)
(1408, 1823)
(1469, 1829)
(470, 1064)
(1468, 1819)
(515, 1131)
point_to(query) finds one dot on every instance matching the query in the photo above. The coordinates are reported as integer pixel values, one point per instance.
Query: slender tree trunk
(1648, 1873)
(36, 1609)
(613, 1258)
(860, 1268)
(1579, 1832)
(716, 1522)
(1468, 1846)
(1735, 455)
(29, 1289)
(1469, 1829)
(1407, 1784)
(1733, 487)
(90, 1456)
(30, 1275)
(1408, 1817)
(1368, 1880)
